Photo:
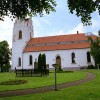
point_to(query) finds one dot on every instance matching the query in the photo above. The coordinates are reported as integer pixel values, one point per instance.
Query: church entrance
(58, 61)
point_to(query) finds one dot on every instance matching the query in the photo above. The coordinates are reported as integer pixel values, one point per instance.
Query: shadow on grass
(61, 71)
(14, 82)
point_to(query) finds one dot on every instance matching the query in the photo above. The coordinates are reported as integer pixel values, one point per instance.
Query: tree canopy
(5, 55)
(22, 8)
(95, 49)
(84, 9)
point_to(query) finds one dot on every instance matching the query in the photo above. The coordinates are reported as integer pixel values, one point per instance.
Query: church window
(73, 57)
(19, 61)
(88, 57)
(20, 34)
(30, 60)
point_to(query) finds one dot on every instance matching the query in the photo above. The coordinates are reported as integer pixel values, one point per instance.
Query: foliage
(84, 8)
(44, 61)
(95, 49)
(6, 67)
(5, 55)
(40, 63)
(99, 32)
(90, 67)
(22, 8)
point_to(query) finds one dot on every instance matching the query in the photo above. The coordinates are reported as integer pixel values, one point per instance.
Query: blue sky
(56, 23)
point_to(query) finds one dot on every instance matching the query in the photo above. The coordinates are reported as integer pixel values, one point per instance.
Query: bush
(6, 67)
(90, 67)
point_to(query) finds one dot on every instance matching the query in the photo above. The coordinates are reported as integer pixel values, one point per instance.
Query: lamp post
(55, 66)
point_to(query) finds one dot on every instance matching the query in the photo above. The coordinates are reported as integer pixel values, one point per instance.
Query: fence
(31, 72)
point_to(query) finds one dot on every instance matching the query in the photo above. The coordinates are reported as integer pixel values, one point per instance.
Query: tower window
(88, 57)
(30, 60)
(19, 61)
(20, 34)
(73, 57)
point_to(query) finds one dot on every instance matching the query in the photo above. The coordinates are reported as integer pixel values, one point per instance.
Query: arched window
(88, 57)
(19, 61)
(58, 61)
(73, 57)
(30, 60)
(20, 34)
(58, 57)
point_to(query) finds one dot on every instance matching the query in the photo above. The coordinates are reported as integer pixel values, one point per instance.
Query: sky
(60, 22)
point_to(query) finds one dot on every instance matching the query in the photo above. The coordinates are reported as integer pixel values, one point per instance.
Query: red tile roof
(61, 42)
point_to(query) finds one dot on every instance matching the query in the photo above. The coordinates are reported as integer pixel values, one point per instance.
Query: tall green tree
(5, 55)
(22, 8)
(95, 49)
(40, 63)
(44, 61)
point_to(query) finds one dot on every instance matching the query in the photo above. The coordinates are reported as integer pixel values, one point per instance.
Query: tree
(44, 61)
(22, 8)
(99, 32)
(5, 55)
(84, 9)
(95, 49)
(40, 63)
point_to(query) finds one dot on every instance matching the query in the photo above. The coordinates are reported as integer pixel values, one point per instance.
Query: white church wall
(66, 60)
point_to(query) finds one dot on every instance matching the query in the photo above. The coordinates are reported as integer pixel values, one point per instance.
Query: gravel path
(89, 77)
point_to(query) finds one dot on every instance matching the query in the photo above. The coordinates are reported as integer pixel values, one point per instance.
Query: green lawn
(34, 82)
(86, 91)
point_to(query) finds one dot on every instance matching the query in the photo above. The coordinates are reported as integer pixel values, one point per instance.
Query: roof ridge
(60, 35)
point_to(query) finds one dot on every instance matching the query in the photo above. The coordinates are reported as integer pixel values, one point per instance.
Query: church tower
(22, 33)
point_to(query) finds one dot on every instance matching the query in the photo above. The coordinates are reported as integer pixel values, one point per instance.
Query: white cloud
(39, 21)
(36, 22)
(95, 23)
(61, 5)
(79, 28)
(44, 20)
(60, 32)
(6, 28)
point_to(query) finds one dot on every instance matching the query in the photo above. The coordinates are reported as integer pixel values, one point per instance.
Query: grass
(86, 91)
(33, 82)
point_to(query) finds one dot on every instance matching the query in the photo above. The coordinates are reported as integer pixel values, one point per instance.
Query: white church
(69, 51)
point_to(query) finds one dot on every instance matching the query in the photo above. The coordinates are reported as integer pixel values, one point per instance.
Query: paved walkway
(89, 77)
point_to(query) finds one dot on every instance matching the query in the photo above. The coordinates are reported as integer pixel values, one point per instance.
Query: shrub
(90, 67)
